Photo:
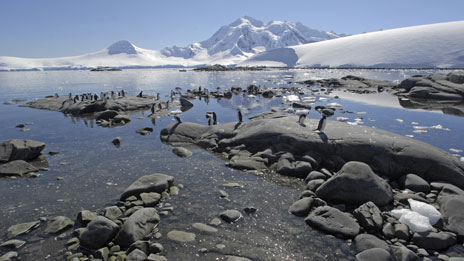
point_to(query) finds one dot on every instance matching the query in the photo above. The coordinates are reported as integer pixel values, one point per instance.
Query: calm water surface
(94, 172)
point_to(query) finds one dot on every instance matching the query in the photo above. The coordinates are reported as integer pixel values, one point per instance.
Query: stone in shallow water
(16, 168)
(182, 152)
(14, 243)
(230, 215)
(98, 232)
(12, 255)
(356, 184)
(377, 254)
(22, 228)
(181, 236)
(204, 227)
(150, 183)
(333, 221)
(301, 208)
(150, 199)
(58, 224)
(369, 216)
(20, 150)
(368, 241)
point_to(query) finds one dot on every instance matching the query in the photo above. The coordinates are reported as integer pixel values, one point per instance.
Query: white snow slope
(426, 46)
(230, 45)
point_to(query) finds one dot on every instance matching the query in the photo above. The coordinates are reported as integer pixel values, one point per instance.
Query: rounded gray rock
(98, 232)
(333, 221)
(137, 226)
(414, 183)
(150, 183)
(301, 208)
(377, 254)
(230, 215)
(368, 241)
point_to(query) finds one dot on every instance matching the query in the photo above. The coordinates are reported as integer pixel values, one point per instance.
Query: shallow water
(95, 172)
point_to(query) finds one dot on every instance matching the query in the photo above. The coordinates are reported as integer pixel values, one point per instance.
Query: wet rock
(23, 228)
(85, 216)
(16, 168)
(456, 77)
(185, 103)
(402, 231)
(204, 227)
(333, 221)
(369, 216)
(388, 231)
(20, 150)
(13, 244)
(154, 257)
(230, 215)
(150, 183)
(138, 226)
(356, 184)
(136, 255)
(314, 184)
(246, 164)
(98, 233)
(377, 254)
(121, 118)
(250, 210)
(12, 255)
(315, 175)
(301, 208)
(113, 212)
(58, 224)
(237, 258)
(453, 214)
(181, 236)
(433, 240)
(368, 241)
(144, 131)
(106, 115)
(414, 183)
(102, 253)
(116, 141)
(403, 253)
(182, 152)
(150, 199)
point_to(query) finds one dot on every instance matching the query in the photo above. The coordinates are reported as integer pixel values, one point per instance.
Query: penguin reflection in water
(326, 112)
(212, 119)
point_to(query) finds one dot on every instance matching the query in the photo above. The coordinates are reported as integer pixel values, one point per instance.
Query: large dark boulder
(137, 227)
(369, 216)
(356, 184)
(333, 221)
(98, 232)
(150, 183)
(414, 183)
(433, 240)
(20, 150)
(453, 214)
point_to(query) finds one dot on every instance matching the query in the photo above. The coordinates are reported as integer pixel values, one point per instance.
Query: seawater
(90, 173)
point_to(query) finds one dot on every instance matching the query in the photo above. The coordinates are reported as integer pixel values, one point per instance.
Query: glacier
(425, 46)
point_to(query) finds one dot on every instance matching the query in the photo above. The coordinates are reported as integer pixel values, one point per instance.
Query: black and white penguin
(95, 97)
(160, 106)
(240, 116)
(140, 95)
(209, 117)
(158, 96)
(177, 119)
(302, 119)
(214, 119)
(56, 95)
(153, 108)
(322, 122)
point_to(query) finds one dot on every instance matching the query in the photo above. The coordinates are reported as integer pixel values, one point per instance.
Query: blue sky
(54, 28)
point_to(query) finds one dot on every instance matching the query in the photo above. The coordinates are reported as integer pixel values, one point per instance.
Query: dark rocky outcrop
(98, 232)
(26, 150)
(137, 227)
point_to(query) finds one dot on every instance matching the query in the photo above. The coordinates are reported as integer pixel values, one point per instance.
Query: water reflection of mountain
(447, 107)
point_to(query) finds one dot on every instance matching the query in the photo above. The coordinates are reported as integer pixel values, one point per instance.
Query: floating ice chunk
(251, 96)
(322, 98)
(290, 98)
(334, 105)
(414, 123)
(342, 119)
(455, 150)
(175, 112)
(352, 123)
(309, 99)
(361, 113)
(426, 210)
(399, 120)
(290, 110)
(419, 131)
(410, 136)
(436, 127)
(301, 112)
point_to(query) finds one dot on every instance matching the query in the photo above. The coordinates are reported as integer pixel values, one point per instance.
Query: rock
(315, 175)
(301, 208)
(237, 258)
(181, 236)
(230, 215)
(141, 245)
(185, 103)
(85, 216)
(9, 256)
(23, 228)
(433, 240)
(16, 168)
(14, 243)
(116, 141)
(333, 221)
(144, 131)
(113, 212)
(150, 183)
(246, 164)
(388, 231)
(102, 253)
(121, 118)
(403, 253)
(150, 199)
(153, 257)
(402, 231)
(138, 226)
(356, 184)
(136, 255)
(453, 214)
(369, 216)
(456, 77)
(377, 254)
(182, 152)
(368, 241)
(204, 227)
(106, 115)
(414, 183)
(98, 233)
(58, 224)
(314, 184)
(20, 150)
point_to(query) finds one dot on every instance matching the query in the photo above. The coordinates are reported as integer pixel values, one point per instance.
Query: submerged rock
(150, 183)
(16, 168)
(58, 224)
(137, 227)
(23, 228)
(230, 215)
(181, 236)
(182, 152)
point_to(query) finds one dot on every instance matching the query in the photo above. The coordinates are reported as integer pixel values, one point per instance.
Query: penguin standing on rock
(302, 119)
(158, 96)
(214, 119)
(140, 95)
(209, 117)
(326, 112)
(177, 119)
(240, 116)
(153, 108)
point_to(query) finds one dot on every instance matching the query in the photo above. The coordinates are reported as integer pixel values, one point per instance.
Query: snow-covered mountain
(247, 36)
(426, 46)
(230, 45)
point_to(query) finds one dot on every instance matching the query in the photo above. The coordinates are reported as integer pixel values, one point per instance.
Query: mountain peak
(247, 20)
(122, 46)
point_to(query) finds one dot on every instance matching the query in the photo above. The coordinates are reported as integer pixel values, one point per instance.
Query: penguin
(70, 95)
(159, 106)
(177, 119)
(322, 122)
(157, 96)
(208, 116)
(153, 108)
(214, 119)
(140, 95)
(95, 97)
(123, 93)
(167, 105)
(240, 117)
(302, 119)
(56, 95)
